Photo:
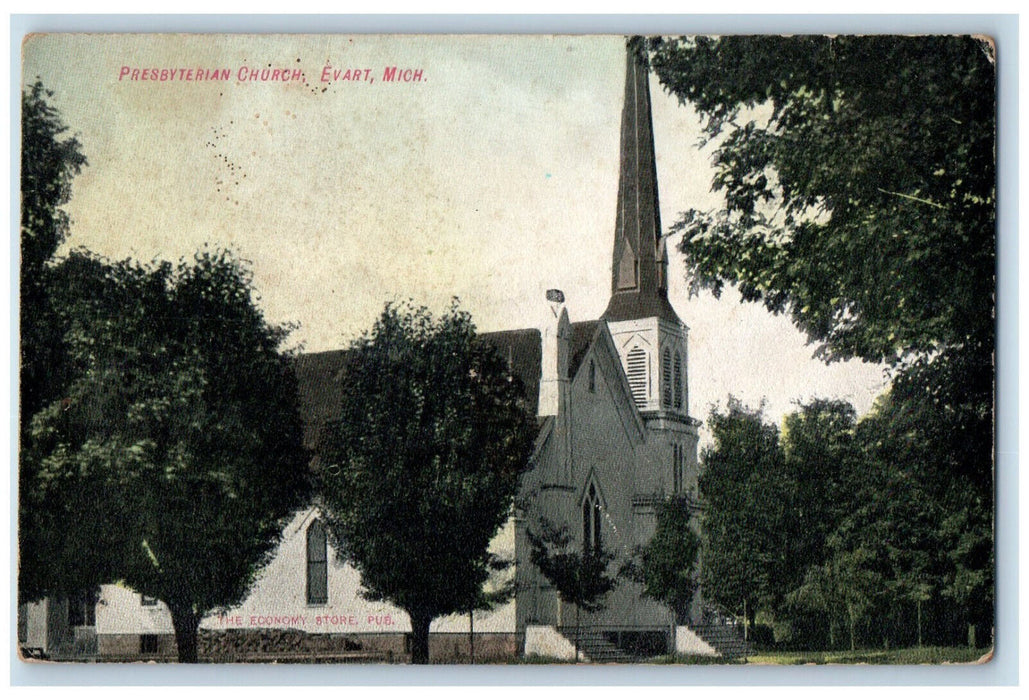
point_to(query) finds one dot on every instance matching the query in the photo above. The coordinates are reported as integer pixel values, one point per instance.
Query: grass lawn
(900, 657)
(908, 656)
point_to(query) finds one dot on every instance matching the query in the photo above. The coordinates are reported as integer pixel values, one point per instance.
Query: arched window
(636, 371)
(666, 378)
(591, 521)
(678, 380)
(317, 565)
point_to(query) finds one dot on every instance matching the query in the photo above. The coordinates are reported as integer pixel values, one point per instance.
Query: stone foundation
(255, 645)
(278, 645)
(294, 646)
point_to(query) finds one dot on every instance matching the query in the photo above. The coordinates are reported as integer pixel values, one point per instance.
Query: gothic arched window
(591, 521)
(636, 371)
(679, 388)
(317, 565)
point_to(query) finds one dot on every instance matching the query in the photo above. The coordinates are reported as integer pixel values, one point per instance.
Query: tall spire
(639, 267)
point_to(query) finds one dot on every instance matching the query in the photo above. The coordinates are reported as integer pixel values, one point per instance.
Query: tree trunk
(186, 623)
(577, 628)
(918, 603)
(471, 635)
(420, 637)
(745, 620)
(853, 623)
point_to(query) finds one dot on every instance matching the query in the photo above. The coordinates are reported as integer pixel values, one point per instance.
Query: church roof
(320, 375)
(523, 351)
(626, 307)
(320, 385)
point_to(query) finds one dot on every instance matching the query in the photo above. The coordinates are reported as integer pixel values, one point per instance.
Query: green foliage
(667, 562)
(176, 445)
(846, 586)
(858, 533)
(578, 573)
(49, 162)
(935, 528)
(822, 466)
(859, 181)
(580, 576)
(425, 459)
(742, 490)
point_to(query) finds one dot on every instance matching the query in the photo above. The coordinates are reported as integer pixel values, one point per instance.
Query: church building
(616, 439)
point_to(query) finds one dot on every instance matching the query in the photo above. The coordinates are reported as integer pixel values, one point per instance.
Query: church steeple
(639, 268)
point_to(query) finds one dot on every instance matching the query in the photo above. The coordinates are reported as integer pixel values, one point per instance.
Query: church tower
(650, 337)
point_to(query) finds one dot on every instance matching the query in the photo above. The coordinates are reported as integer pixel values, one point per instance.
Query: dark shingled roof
(320, 375)
(319, 383)
(523, 350)
(582, 336)
(626, 306)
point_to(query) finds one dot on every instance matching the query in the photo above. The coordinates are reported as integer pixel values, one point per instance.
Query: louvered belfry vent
(636, 370)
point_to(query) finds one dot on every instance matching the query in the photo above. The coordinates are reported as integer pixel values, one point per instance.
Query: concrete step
(725, 639)
(594, 645)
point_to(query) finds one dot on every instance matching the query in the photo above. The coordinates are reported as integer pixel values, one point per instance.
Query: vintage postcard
(507, 349)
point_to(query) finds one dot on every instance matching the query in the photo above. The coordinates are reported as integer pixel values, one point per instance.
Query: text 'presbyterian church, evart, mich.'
(615, 441)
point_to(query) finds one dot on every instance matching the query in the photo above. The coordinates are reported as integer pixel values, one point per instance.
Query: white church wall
(608, 446)
(279, 597)
(278, 600)
(542, 491)
(120, 611)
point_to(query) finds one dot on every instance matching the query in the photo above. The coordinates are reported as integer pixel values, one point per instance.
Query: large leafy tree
(930, 515)
(842, 589)
(50, 159)
(823, 472)
(173, 457)
(667, 563)
(432, 438)
(858, 175)
(742, 484)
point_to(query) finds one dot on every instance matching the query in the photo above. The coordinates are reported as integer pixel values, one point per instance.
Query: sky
(490, 175)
